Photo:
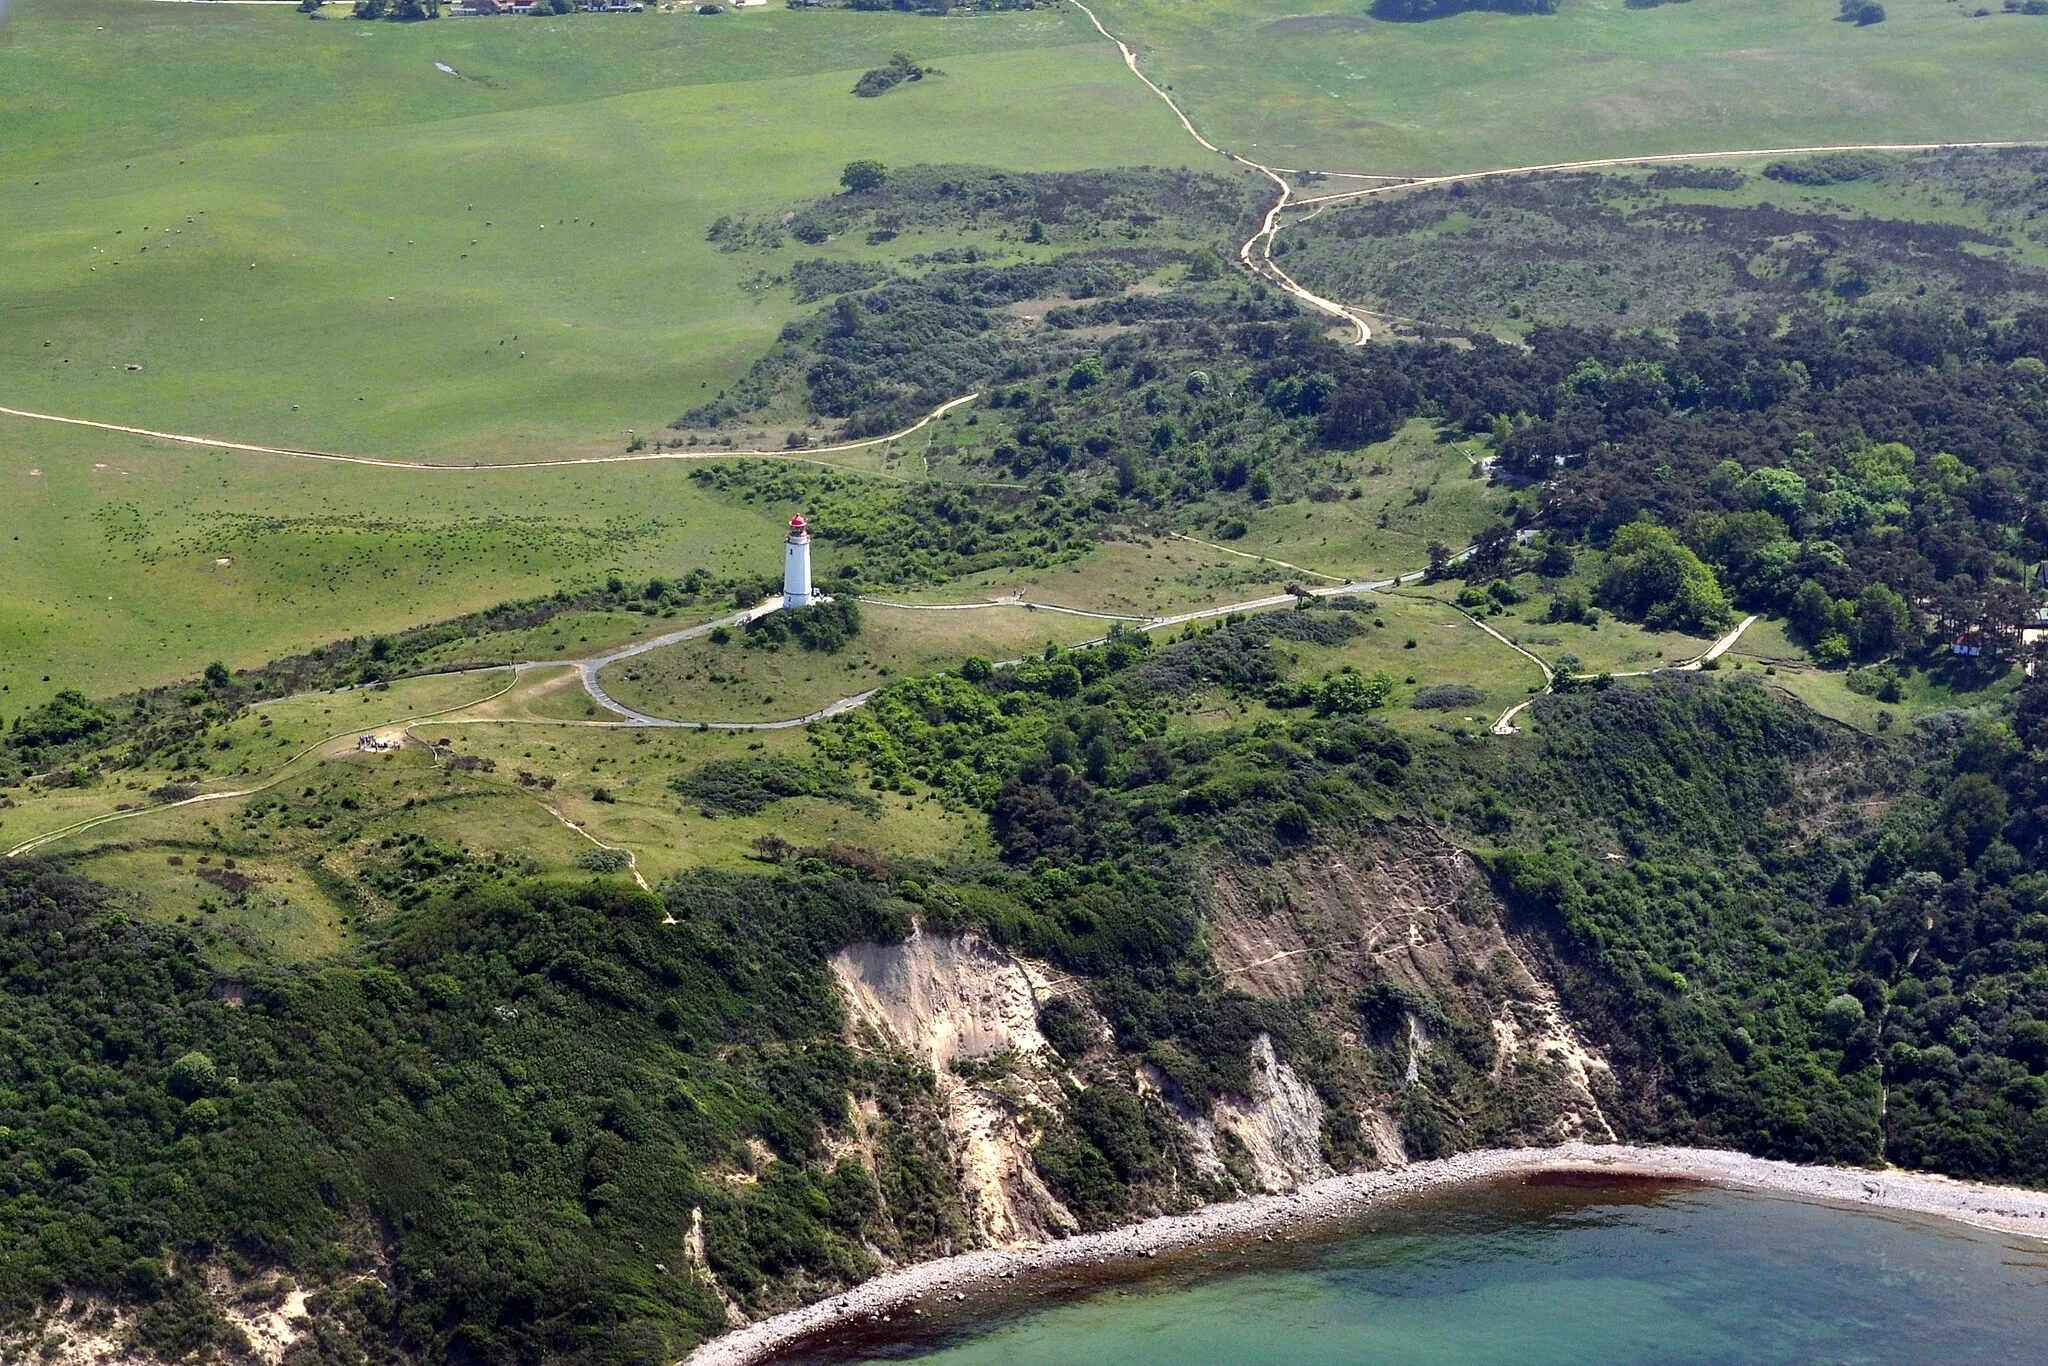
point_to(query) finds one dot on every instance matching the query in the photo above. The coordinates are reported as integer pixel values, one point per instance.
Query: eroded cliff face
(1443, 1036)
(1415, 1025)
(946, 1000)
(1277, 1125)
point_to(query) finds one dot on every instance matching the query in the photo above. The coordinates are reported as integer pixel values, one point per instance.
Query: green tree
(1654, 579)
(192, 1076)
(1843, 1015)
(862, 176)
(1087, 374)
(1884, 623)
(1780, 492)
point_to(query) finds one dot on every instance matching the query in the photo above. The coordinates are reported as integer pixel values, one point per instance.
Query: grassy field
(1130, 578)
(313, 843)
(1424, 643)
(350, 249)
(664, 832)
(1411, 490)
(1953, 684)
(261, 747)
(702, 680)
(1342, 91)
(113, 574)
(1827, 692)
(1610, 645)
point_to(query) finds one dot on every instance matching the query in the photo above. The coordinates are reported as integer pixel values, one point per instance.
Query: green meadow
(706, 680)
(128, 562)
(1419, 643)
(1342, 91)
(1416, 488)
(307, 234)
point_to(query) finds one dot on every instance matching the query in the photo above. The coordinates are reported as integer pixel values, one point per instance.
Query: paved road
(588, 668)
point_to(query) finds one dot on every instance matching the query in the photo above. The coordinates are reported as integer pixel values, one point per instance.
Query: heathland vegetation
(1644, 247)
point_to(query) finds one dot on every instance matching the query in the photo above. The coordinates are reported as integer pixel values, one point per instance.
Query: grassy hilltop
(1342, 91)
(311, 191)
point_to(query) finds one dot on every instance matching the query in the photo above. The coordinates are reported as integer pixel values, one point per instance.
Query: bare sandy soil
(2004, 1209)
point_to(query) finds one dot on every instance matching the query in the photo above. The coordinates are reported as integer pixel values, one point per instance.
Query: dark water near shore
(1542, 1271)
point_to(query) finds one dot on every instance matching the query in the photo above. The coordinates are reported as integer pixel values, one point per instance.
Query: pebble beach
(2003, 1209)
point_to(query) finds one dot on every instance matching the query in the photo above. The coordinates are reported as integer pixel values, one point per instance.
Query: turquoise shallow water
(1542, 1272)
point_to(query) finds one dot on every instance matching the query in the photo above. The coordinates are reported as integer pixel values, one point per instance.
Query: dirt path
(1727, 642)
(632, 859)
(1256, 255)
(1697, 662)
(96, 822)
(1506, 724)
(807, 457)
(1025, 603)
(1654, 159)
(1248, 555)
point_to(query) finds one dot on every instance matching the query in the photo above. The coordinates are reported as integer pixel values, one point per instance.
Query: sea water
(1546, 1270)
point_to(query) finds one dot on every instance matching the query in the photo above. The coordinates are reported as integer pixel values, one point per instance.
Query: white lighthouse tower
(796, 564)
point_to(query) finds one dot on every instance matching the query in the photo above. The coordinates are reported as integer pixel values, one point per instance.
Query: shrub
(826, 627)
(1445, 697)
(747, 787)
(192, 1076)
(1349, 694)
(881, 81)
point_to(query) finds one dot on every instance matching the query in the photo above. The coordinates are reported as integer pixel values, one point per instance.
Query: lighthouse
(796, 564)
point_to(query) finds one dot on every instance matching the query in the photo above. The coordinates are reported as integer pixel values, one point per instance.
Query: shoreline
(1999, 1209)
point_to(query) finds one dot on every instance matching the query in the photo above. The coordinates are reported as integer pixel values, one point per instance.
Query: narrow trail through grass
(93, 823)
(804, 456)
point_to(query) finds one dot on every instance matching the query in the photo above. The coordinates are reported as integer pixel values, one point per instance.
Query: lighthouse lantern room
(796, 564)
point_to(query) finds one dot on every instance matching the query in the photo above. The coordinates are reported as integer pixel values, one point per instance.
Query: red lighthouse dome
(797, 523)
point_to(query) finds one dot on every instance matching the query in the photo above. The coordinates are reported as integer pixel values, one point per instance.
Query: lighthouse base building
(796, 565)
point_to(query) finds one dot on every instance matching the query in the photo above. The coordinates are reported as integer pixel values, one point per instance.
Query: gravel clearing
(2001, 1208)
